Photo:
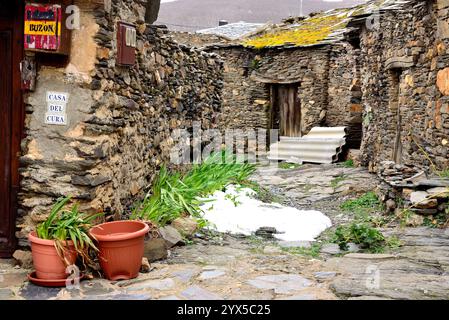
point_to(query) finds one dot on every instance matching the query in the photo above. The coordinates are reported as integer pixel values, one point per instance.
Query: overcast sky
(190, 15)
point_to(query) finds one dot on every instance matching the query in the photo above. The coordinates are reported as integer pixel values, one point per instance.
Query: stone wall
(249, 73)
(405, 68)
(120, 119)
(308, 68)
(344, 91)
(198, 40)
(328, 80)
(245, 101)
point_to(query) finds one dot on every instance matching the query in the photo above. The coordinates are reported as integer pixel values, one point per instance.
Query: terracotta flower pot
(121, 245)
(48, 264)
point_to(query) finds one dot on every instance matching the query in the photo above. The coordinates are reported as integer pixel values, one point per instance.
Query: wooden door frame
(275, 109)
(17, 124)
(395, 94)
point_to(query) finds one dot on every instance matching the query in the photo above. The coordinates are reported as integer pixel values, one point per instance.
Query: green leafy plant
(362, 234)
(286, 165)
(254, 64)
(313, 251)
(173, 195)
(443, 174)
(438, 221)
(368, 201)
(348, 163)
(393, 242)
(233, 199)
(364, 209)
(63, 225)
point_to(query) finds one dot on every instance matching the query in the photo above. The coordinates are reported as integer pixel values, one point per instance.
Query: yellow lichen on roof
(308, 32)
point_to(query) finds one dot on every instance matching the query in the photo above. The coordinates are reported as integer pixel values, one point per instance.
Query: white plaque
(56, 108)
(57, 97)
(56, 118)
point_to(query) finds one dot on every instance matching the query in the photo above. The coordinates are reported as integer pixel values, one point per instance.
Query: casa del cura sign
(56, 108)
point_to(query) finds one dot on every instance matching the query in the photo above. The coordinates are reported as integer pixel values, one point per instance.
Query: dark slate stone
(120, 296)
(33, 292)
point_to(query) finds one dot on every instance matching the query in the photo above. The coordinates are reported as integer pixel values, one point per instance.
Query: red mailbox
(45, 28)
(42, 26)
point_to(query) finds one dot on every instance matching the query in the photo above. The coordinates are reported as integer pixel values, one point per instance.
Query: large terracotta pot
(121, 245)
(48, 264)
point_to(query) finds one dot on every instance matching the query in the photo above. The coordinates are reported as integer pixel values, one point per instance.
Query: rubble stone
(421, 200)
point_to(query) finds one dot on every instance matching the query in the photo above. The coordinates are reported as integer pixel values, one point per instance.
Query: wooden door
(11, 119)
(285, 101)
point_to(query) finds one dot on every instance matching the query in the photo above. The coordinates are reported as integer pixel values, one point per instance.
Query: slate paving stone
(159, 284)
(211, 274)
(32, 292)
(172, 297)
(95, 288)
(300, 297)
(6, 294)
(121, 296)
(352, 247)
(414, 273)
(295, 244)
(184, 275)
(281, 284)
(325, 275)
(198, 293)
(330, 248)
(369, 298)
(12, 279)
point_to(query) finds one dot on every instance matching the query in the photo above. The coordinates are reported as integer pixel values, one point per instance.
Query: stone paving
(232, 270)
(232, 267)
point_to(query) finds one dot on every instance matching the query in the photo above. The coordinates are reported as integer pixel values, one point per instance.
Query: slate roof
(325, 27)
(234, 31)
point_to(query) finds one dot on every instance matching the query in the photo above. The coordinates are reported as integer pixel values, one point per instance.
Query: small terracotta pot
(48, 264)
(121, 245)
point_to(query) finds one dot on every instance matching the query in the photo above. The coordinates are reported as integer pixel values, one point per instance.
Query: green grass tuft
(312, 252)
(286, 165)
(362, 234)
(173, 195)
(348, 163)
(369, 201)
(443, 174)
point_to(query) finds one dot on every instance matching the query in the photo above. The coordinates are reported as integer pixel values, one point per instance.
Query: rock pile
(397, 174)
(422, 195)
(430, 202)
(158, 245)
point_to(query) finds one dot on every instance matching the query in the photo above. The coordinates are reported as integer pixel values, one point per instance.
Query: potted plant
(59, 240)
(121, 247)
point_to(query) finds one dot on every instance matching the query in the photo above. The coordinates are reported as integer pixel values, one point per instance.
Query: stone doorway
(285, 109)
(11, 118)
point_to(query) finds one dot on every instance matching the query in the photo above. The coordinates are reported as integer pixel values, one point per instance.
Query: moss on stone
(310, 31)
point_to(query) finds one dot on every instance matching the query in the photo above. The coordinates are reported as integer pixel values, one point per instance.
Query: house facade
(292, 77)
(405, 87)
(380, 69)
(89, 104)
